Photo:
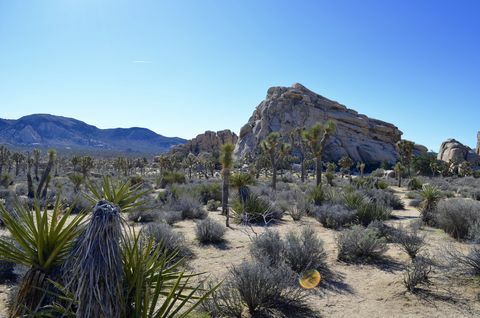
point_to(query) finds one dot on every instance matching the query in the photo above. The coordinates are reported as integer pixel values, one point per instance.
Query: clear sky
(182, 67)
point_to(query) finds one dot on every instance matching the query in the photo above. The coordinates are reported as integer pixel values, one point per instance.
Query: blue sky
(182, 67)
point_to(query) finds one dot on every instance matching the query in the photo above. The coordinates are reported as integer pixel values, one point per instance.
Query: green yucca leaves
(122, 194)
(40, 240)
(152, 277)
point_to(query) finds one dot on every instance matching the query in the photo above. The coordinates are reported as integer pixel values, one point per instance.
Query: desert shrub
(170, 217)
(213, 205)
(136, 180)
(209, 231)
(296, 212)
(171, 242)
(262, 287)
(370, 211)
(169, 178)
(385, 198)
(6, 180)
(417, 273)
(455, 216)
(378, 173)
(461, 263)
(78, 202)
(414, 184)
(383, 230)
(254, 210)
(142, 216)
(304, 251)
(415, 203)
(190, 207)
(360, 244)
(334, 216)
(353, 199)
(208, 191)
(226, 301)
(317, 195)
(410, 241)
(412, 195)
(268, 247)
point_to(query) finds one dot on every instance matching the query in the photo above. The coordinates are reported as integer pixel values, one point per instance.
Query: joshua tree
(361, 168)
(399, 170)
(190, 162)
(77, 180)
(31, 192)
(330, 174)
(271, 147)
(345, 163)
(44, 179)
(285, 150)
(18, 158)
(86, 164)
(226, 159)
(36, 161)
(316, 137)
(296, 137)
(4, 157)
(405, 150)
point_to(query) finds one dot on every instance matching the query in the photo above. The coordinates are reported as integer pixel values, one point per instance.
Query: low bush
(208, 191)
(213, 205)
(171, 242)
(463, 264)
(190, 207)
(334, 216)
(226, 301)
(370, 210)
(144, 216)
(304, 251)
(262, 287)
(417, 273)
(410, 241)
(414, 184)
(209, 231)
(169, 178)
(359, 244)
(317, 195)
(385, 197)
(268, 248)
(255, 209)
(457, 215)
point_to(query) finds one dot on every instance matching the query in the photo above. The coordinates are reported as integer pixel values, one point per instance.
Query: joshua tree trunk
(302, 170)
(274, 172)
(29, 178)
(45, 176)
(318, 171)
(399, 181)
(44, 192)
(226, 174)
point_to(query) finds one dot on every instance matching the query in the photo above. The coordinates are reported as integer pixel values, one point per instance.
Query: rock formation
(209, 141)
(285, 108)
(452, 150)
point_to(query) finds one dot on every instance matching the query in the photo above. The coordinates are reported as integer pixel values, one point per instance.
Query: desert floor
(373, 290)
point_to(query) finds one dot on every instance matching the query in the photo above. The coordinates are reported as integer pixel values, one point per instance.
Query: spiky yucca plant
(41, 242)
(155, 285)
(117, 192)
(430, 196)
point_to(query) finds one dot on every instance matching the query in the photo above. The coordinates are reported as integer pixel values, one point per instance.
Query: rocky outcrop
(209, 141)
(285, 108)
(452, 150)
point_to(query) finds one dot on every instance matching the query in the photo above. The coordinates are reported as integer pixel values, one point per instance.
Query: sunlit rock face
(285, 108)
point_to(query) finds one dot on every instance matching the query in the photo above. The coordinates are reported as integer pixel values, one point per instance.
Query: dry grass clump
(458, 217)
(335, 216)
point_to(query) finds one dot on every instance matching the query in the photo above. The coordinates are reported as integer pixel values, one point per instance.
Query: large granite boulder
(209, 142)
(452, 150)
(285, 108)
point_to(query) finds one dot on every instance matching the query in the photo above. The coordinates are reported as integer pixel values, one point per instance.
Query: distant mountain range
(62, 133)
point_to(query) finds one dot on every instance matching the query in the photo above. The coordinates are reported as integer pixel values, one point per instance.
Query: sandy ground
(361, 290)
